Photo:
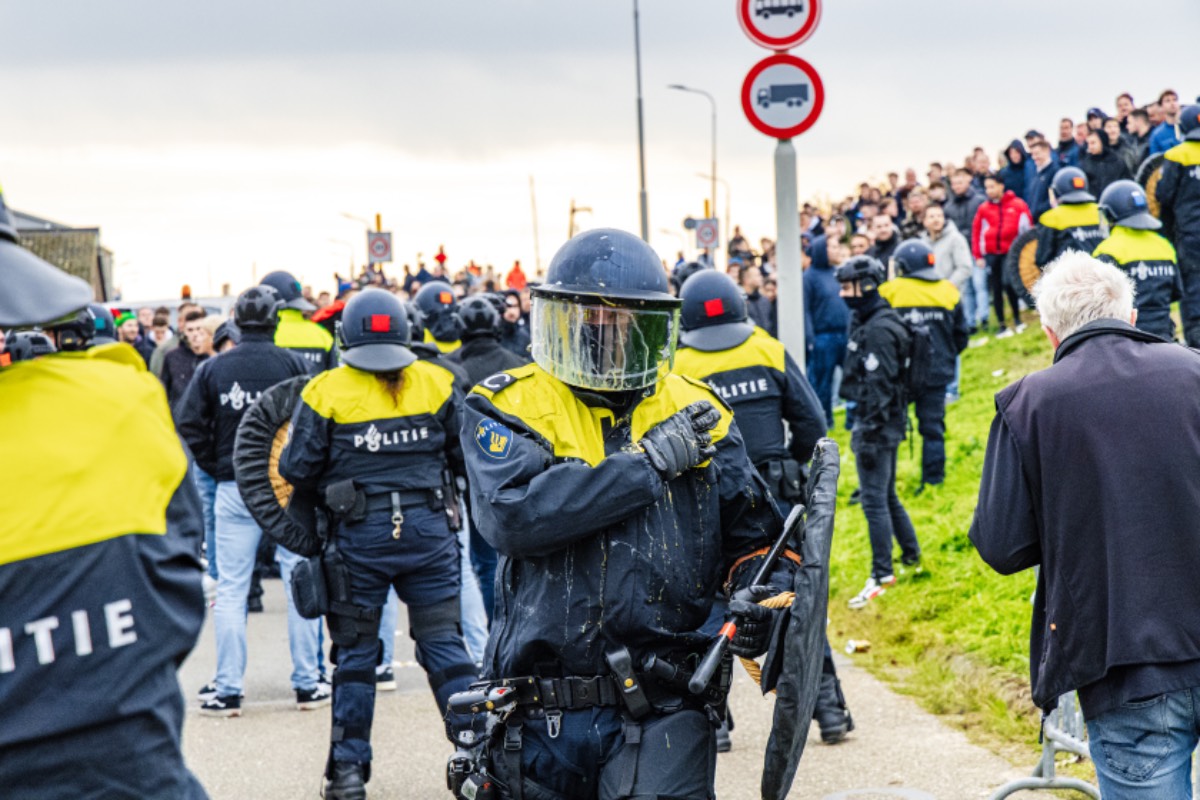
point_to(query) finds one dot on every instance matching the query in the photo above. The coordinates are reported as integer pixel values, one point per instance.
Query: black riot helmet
(1070, 187)
(681, 273)
(604, 319)
(27, 345)
(912, 257)
(255, 308)
(868, 272)
(373, 334)
(90, 326)
(1188, 126)
(1124, 203)
(439, 311)
(416, 323)
(479, 317)
(33, 292)
(291, 295)
(714, 312)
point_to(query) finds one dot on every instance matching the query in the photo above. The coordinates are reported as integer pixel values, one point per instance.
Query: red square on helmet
(381, 323)
(445, 298)
(714, 307)
(931, 259)
(1078, 182)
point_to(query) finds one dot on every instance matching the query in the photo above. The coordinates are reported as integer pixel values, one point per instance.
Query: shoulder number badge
(493, 439)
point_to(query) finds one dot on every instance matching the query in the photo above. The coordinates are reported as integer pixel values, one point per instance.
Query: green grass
(957, 637)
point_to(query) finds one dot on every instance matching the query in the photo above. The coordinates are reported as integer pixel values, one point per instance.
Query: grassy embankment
(957, 637)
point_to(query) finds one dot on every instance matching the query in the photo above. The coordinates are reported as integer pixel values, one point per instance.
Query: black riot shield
(1148, 175)
(803, 645)
(286, 516)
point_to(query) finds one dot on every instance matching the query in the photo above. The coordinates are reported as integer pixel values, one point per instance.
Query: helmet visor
(603, 348)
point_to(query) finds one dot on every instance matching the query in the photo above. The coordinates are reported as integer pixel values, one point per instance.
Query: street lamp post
(637, 50)
(713, 174)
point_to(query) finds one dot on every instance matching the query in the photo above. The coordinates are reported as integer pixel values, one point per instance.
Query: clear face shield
(603, 347)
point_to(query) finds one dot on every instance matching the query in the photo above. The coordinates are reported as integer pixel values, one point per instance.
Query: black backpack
(917, 356)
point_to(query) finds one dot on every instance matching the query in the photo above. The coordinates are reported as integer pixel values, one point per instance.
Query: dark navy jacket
(222, 389)
(824, 309)
(1090, 473)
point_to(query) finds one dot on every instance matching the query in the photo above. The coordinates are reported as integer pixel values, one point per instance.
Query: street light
(713, 174)
(728, 202)
(637, 52)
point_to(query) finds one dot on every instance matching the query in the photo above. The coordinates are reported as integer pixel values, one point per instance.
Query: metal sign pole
(790, 302)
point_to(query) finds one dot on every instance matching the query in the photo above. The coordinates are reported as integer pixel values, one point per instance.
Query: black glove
(867, 457)
(754, 621)
(682, 440)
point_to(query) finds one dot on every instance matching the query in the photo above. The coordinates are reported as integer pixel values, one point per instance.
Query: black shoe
(385, 679)
(856, 497)
(831, 714)
(254, 605)
(230, 706)
(347, 782)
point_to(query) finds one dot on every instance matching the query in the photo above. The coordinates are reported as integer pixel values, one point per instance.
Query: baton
(716, 651)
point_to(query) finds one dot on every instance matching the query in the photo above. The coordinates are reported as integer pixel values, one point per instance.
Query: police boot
(346, 782)
(831, 713)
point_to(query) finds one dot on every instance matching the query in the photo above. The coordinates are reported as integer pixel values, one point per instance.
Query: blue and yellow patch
(493, 439)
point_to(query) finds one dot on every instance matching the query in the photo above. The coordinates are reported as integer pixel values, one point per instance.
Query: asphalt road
(274, 752)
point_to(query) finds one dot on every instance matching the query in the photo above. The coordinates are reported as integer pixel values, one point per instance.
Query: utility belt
(351, 503)
(784, 477)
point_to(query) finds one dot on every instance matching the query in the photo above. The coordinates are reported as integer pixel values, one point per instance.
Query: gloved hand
(755, 621)
(682, 440)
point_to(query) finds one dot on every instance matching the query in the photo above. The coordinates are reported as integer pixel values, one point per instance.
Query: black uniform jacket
(1067, 227)
(871, 374)
(222, 389)
(924, 298)
(1150, 260)
(100, 600)
(348, 426)
(765, 388)
(1091, 472)
(481, 356)
(596, 549)
(1178, 193)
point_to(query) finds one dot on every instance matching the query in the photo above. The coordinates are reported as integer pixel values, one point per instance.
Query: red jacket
(996, 225)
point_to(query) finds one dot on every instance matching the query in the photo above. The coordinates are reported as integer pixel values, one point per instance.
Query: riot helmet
(1188, 126)
(373, 332)
(479, 317)
(1124, 203)
(227, 331)
(604, 319)
(1070, 187)
(681, 273)
(27, 345)
(713, 316)
(291, 295)
(416, 323)
(866, 271)
(91, 326)
(912, 257)
(439, 311)
(256, 307)
(34, 292)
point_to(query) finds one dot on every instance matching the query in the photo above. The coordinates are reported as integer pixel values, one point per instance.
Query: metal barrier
(1063, 731)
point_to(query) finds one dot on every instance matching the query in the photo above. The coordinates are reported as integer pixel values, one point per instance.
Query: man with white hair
(1090, 473)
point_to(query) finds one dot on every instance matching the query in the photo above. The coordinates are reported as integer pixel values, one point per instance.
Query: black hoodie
(1103, 169)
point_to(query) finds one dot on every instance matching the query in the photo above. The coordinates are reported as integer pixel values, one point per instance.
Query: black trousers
(931, 422)
(1000, 289)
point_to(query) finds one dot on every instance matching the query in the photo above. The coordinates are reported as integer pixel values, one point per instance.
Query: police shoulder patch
(495, 383)
(494, 439)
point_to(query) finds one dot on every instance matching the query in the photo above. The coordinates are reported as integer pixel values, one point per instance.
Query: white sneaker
(874, 588)
(1021, 328)
(1004, 334)
(210, 587)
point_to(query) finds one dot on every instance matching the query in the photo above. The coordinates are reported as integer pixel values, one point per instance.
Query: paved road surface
(275, 752)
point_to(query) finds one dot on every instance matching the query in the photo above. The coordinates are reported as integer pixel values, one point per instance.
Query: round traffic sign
(779, 24)
(783, 96)
(706, 233)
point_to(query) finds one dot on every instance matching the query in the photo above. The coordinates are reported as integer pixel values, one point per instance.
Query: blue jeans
(975, 298)
(827, 354)
(387, 628)
(206, 485)
(238, 536)
(886, 517)
(474, 615)
(304, 635)
(1143, 749)
(484, 559)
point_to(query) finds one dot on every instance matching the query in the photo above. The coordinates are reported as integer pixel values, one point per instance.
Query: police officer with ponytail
(374, 438)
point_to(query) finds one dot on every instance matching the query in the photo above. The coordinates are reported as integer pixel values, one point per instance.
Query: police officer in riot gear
(620, 497)
(1178, 195)
(1073, 222)
(375, 438)
(101, 599)
(294, 332)
(481, 353)
(208, 415)
(91, 326)
(752, 372)
(921, 296)
(875, 355)
(1134, 246)
(439, 316)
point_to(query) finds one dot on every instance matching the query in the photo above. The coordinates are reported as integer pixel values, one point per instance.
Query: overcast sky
(210, 140)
